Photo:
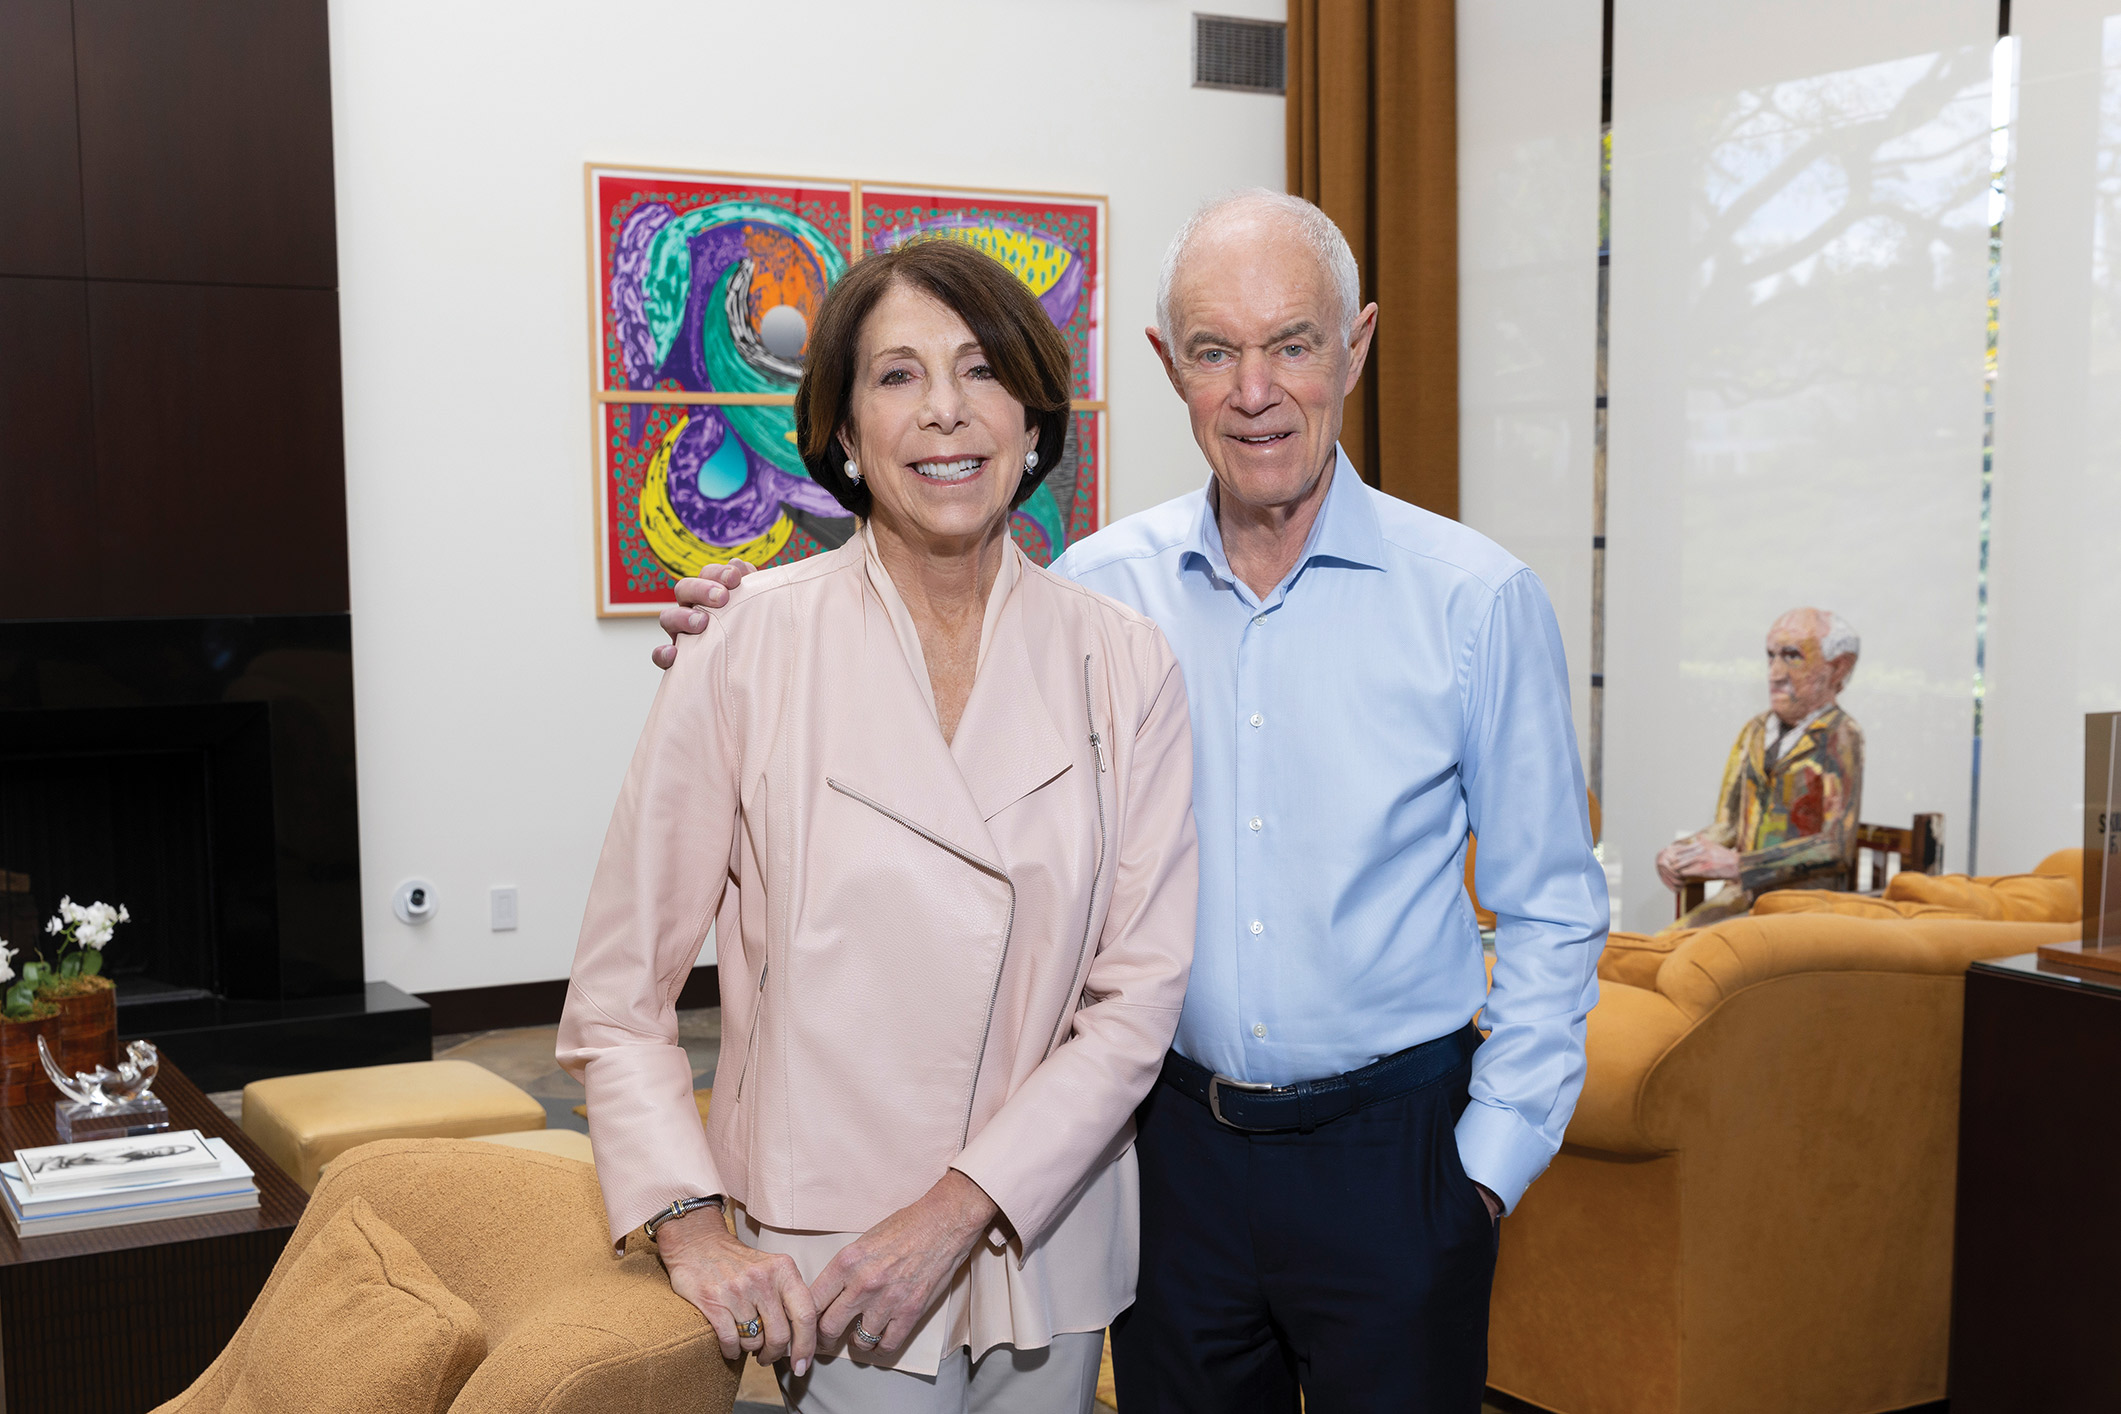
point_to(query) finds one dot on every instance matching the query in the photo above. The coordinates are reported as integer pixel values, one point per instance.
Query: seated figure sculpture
(1786, 814)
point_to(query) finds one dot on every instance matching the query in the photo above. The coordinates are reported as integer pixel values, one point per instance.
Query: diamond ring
(861, 1333)
(750, 1329)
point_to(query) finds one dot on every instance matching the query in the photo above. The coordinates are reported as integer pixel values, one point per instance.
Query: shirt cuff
(1501, 1152)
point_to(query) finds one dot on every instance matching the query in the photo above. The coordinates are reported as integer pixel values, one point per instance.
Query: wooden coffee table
(123, 1318)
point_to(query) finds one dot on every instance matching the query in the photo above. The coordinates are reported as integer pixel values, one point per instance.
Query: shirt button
(1258, 927)
(1255, 822)
(1259, 618)
(1259, 1029)
(1258, 721)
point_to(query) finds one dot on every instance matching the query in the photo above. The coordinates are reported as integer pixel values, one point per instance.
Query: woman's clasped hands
(872, 1294)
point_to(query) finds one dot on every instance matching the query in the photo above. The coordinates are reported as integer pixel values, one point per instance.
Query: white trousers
(1061, 1379)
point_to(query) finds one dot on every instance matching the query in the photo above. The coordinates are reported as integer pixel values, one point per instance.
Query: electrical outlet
(504, 908)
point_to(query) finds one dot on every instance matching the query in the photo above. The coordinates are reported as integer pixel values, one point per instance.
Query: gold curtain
(1373, 140)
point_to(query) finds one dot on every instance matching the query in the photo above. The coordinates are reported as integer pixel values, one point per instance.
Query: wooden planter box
(86, 1030)
(22, 1077)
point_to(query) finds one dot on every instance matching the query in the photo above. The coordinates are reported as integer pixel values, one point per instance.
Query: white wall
(2054, 602)
(495, 712)
(1798, 308)
(1528, 297)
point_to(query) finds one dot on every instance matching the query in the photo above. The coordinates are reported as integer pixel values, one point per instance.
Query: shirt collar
(1346, 530)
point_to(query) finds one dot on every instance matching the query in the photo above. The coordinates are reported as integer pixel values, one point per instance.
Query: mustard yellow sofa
(450, 1274)
(1753, 1209)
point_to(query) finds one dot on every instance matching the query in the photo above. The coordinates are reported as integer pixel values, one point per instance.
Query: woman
(937, 802)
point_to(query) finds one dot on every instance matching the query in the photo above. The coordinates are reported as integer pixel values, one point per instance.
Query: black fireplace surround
(201, 771)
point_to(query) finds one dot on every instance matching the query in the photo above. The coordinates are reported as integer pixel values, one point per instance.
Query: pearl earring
(854, 473)
(1031, 461)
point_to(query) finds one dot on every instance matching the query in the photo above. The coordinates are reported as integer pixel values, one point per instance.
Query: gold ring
(751, 1329)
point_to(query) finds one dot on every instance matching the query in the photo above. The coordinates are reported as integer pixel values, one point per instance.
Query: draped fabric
(1373, 139)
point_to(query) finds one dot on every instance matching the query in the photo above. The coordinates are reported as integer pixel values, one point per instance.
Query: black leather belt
(1302, 1107)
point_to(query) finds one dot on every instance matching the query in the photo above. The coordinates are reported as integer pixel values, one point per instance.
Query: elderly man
(1786, 813)
(1325, 1161)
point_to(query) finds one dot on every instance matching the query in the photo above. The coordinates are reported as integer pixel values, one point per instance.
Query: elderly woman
(937, 803)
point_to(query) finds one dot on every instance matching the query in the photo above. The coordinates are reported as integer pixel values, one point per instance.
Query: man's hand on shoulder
(710, 589)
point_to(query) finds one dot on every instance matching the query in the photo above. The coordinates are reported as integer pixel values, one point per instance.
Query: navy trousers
(1353, 1263)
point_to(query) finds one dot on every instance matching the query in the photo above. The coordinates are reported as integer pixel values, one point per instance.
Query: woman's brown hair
(1028, 355)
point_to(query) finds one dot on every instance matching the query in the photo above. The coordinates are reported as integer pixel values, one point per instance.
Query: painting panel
(705, 285)
(1054, 244)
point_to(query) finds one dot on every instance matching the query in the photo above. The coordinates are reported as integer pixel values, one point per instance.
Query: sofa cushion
(1832, 901)
(360, 1323)
(2008, 898)
(2048, 896)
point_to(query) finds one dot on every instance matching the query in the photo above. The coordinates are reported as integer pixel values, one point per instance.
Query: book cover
(109, 1163)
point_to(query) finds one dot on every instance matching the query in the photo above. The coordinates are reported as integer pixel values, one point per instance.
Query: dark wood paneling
(538, 1003)
(214, 500)
(40, 169)
(2034, 1299)
(206, 140)
(121, 1318)
(47, 452)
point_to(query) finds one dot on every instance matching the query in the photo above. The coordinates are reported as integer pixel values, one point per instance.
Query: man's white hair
(1840, 638)
(1314, 226)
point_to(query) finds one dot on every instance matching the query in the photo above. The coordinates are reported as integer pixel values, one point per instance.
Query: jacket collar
(1815, 731)
(1006, 744)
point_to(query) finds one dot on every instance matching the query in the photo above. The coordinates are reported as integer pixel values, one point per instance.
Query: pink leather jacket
(932, 955)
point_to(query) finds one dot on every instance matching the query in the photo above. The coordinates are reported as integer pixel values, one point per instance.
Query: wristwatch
(678, 1210)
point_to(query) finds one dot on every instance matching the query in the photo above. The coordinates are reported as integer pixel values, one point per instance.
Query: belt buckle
(1215, 1083)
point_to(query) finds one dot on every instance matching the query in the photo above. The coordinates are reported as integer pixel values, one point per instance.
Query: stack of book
(110, 1182)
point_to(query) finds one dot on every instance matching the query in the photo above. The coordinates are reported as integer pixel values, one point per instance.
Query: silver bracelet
(678, 1210)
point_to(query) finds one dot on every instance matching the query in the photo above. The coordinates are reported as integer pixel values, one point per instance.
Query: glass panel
(2054, 602)
(1799, 280)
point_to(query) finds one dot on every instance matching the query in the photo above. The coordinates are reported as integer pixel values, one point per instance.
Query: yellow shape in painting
(672, 542)
(1038, 262)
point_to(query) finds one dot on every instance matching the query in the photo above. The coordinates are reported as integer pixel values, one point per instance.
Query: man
(1786, 813)
(1322, 1167)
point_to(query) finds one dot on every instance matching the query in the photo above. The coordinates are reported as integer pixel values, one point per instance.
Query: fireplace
(201, 771)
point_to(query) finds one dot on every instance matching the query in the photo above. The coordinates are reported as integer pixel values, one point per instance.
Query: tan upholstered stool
(567, 1143)
(306, 1121)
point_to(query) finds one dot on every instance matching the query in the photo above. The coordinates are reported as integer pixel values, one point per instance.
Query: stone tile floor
(524, 1056)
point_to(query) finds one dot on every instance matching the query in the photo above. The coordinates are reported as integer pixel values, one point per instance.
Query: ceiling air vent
(1247, 55)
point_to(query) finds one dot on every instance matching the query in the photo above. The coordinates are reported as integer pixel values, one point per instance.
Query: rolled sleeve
(1525, 800)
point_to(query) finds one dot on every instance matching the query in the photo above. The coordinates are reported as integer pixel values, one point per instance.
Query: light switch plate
(504, 908)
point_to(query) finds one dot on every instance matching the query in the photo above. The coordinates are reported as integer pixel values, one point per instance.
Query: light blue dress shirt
(1404, 684)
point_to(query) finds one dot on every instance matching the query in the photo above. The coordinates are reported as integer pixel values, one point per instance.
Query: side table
(2034, 1299)
(120, 1319)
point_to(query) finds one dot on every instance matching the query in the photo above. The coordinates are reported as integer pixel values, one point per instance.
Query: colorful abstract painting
(705, 287)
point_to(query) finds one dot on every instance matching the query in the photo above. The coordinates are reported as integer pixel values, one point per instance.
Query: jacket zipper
(1008, 932)
(758, 1019)
(1097, 874)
